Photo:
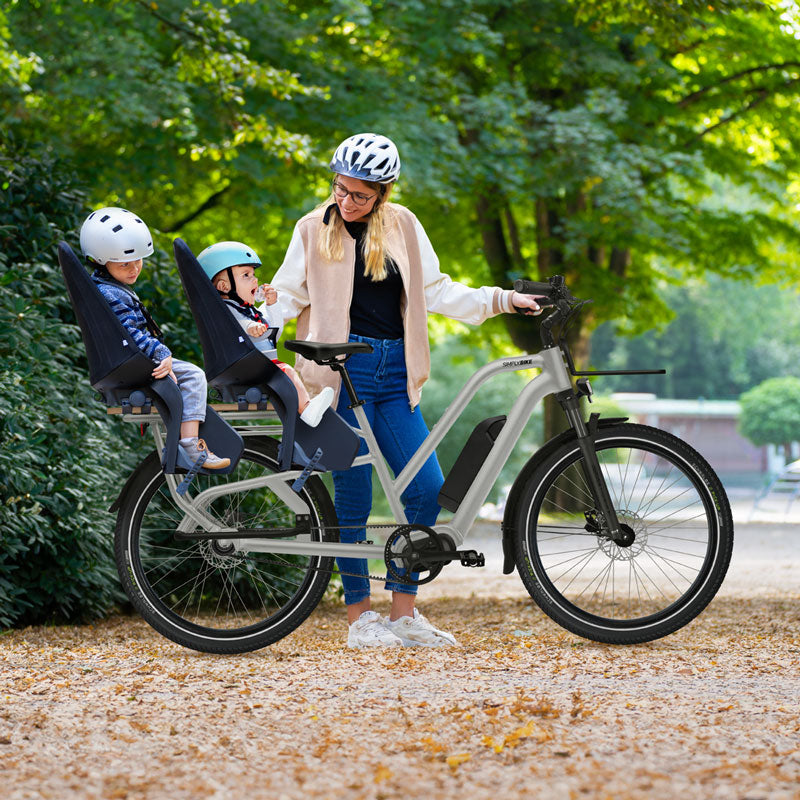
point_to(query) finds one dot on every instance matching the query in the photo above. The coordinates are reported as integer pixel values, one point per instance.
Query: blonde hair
(373, 247)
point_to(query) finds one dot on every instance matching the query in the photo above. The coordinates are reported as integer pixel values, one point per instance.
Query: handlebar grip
(524, 286)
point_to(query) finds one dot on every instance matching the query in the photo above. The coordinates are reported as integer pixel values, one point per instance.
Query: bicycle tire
(207, 597)
(666, 492)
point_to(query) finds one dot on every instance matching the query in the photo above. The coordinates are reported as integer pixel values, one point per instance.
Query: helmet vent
(132, 250)
(368, 157)
(104, 218)
(117, 228)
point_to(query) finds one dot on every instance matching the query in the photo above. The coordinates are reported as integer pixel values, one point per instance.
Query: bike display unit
(621, 533)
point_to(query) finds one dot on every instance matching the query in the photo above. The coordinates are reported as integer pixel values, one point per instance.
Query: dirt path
(522, 709)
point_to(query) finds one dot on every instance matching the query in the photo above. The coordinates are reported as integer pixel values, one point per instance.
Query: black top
(375, 308)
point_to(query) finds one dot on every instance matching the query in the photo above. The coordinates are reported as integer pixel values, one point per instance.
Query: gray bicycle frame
(554, 377)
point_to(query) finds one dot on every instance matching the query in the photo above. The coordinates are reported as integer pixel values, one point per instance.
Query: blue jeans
(380, 381)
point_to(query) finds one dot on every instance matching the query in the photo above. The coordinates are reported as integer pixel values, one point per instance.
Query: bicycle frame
(553, 378)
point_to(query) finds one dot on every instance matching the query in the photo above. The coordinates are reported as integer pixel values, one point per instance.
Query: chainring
(405, 556)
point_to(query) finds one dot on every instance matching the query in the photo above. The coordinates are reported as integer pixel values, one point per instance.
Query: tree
(771, 413)
(590, 139)
(726, 337)
(158, 105)
(592, 147)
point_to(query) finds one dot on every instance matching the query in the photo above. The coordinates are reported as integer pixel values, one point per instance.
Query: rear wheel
(208, 595)
(674, 512)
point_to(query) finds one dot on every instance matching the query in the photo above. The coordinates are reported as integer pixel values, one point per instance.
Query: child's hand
(164, 368)
(256, 329)
(270, 294)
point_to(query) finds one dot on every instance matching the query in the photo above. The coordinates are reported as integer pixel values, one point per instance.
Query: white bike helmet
(114, 234)
(368, 157)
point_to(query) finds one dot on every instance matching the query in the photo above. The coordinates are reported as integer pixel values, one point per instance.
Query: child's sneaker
(369, 631)
(418, 632)
(313, 412)
(194, 447)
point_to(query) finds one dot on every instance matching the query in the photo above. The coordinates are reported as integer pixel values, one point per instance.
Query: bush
(770, 412)
(61, 461)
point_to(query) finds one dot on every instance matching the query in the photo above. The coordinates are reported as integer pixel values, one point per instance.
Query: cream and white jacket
(319, 292)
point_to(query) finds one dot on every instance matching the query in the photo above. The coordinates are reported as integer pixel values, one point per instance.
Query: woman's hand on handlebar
(526, 303)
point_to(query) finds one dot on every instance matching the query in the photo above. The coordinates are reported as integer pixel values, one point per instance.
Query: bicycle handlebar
(553, 292)
(524, 286)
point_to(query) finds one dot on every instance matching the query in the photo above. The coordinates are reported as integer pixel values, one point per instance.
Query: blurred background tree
(771, 413)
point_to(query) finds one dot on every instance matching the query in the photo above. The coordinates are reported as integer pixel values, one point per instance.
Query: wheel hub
(634, 537)
(221, 553)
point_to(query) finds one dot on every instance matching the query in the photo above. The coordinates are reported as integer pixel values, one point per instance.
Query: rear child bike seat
(243, 374)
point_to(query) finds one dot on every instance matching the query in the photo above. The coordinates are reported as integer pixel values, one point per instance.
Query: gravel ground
(521, 709)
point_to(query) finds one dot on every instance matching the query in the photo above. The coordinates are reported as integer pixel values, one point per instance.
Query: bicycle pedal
(472, 558)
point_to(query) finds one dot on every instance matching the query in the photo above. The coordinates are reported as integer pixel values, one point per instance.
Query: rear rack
(226, 410)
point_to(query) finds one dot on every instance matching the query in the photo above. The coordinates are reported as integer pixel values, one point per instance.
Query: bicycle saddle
(322, 351)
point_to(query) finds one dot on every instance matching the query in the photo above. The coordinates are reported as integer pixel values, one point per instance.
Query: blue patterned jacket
(127, 306)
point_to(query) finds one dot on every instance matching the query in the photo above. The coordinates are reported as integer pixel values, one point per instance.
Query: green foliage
(59, 457)
(771, 412)
(606, 407)
(726, 337)
(454, 361)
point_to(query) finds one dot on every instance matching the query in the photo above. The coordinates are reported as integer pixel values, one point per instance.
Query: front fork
(591, 466)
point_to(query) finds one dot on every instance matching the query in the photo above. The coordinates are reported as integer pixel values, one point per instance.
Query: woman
(360, 268)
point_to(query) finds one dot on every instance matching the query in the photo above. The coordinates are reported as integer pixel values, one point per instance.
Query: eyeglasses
(359, 198)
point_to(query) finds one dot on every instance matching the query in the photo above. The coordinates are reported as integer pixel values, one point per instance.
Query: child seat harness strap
(248, 309)
(102, 276)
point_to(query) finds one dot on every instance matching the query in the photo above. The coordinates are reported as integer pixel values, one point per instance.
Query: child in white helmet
(115, 242)
(231, 266)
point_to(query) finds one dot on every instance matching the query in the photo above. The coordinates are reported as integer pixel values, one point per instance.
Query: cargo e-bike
(621, 533)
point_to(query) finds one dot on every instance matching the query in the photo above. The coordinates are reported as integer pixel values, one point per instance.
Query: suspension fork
(591, 465)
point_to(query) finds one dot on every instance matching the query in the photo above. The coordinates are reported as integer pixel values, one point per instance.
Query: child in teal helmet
(231, 266)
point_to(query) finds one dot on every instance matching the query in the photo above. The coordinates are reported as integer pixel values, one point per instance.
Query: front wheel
(206, 594)
(677, 518)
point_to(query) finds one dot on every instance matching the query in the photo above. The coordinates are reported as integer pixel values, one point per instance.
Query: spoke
(585, 561)
(566, 552)
(175, 566)
(661, 548)
(297, 585)
(659, 491)
(192, 589)
(682, 522)
(639, 582)
(673, 563)
(598, 578)
(663, 572)
(661, 535)
(584, 489)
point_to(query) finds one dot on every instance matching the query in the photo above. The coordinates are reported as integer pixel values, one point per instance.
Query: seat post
(338, 366)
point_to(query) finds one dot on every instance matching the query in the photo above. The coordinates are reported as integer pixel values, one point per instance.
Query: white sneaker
(418, 632)
(369, 631)
(313, 412)
(193, 447)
